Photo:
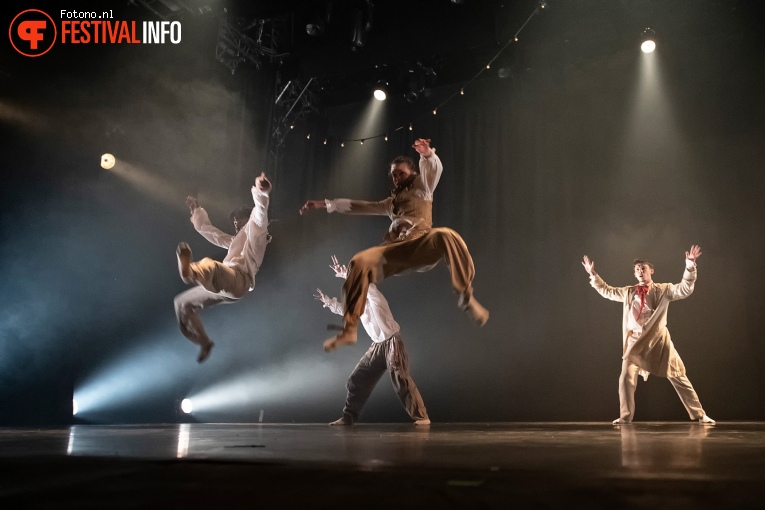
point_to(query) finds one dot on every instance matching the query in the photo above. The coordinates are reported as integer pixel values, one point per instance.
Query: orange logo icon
(32, 33)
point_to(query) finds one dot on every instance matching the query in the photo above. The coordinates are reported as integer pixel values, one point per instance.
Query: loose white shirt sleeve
(377, 318)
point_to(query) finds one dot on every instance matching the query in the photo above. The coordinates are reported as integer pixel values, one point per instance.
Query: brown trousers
(421, 254)
(389, 355)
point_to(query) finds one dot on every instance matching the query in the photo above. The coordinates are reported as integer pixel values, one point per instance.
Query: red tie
(642, 291)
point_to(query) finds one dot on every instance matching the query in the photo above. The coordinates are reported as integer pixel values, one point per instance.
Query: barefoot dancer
(647, 345)
(410, 243)
(225, 282)
(387, 352)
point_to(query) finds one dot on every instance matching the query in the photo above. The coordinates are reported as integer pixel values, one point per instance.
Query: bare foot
(183, 252)
(204, 352)
(346, 337)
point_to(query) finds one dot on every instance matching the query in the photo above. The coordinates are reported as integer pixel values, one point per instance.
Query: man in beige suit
(647, 345)
(410, 243)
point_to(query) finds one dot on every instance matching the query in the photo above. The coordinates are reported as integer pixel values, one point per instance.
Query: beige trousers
(217, 283)
(628, 382)
(375, 264)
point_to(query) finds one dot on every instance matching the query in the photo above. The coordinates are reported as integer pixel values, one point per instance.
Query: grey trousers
(628, 382)
(217, 283)
(389, 355)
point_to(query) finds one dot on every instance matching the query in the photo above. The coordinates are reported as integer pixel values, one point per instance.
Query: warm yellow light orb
(107, 161)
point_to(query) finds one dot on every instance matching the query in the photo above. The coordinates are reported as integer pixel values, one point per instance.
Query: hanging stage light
(315, 29)
(107, 161)
(381, 90)
(648, 40)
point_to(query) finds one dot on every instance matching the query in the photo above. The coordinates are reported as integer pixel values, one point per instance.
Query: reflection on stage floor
(444, 465)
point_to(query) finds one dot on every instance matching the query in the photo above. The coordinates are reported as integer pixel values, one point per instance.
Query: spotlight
(381, 90)
(186, 406)
(462, 92)
(648, 41)
(308, 136)
(315, 29)
(107, 161)
(362, 142)
(75, 407)
(386, 138)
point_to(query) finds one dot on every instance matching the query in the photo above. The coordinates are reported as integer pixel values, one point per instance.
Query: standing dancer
(225, 282)
(387, 352)
(410, 243)
(647, 345)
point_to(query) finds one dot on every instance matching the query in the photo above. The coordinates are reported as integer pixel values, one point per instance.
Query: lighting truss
(235, 47)
(173, 9)
(296, 100)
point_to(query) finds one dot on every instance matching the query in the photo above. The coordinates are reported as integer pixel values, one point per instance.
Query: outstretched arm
(332, 303)
(605, 290)
(348, 206)
(685, 288)
(430, 165)
(201, 222)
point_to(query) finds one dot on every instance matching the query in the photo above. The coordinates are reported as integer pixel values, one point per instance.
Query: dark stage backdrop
(588, 147)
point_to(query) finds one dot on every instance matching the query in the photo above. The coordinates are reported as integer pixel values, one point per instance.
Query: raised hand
(341, 271)
(694, 253)
(313, 204)
(422, 146)
(589, 265)
(192, 203)
(321, 296)
(262, 183)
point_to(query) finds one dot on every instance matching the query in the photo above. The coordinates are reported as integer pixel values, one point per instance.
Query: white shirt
(377, 318)
(247, 248)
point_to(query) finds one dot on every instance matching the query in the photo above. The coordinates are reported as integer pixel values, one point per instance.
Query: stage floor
(494, 465)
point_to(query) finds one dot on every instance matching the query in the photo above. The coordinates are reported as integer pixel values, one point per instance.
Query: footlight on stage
(75, 407)
(648, 41)
(107, 161)
(186, 406)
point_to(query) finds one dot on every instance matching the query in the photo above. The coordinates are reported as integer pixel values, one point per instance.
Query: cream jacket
(653, 351)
